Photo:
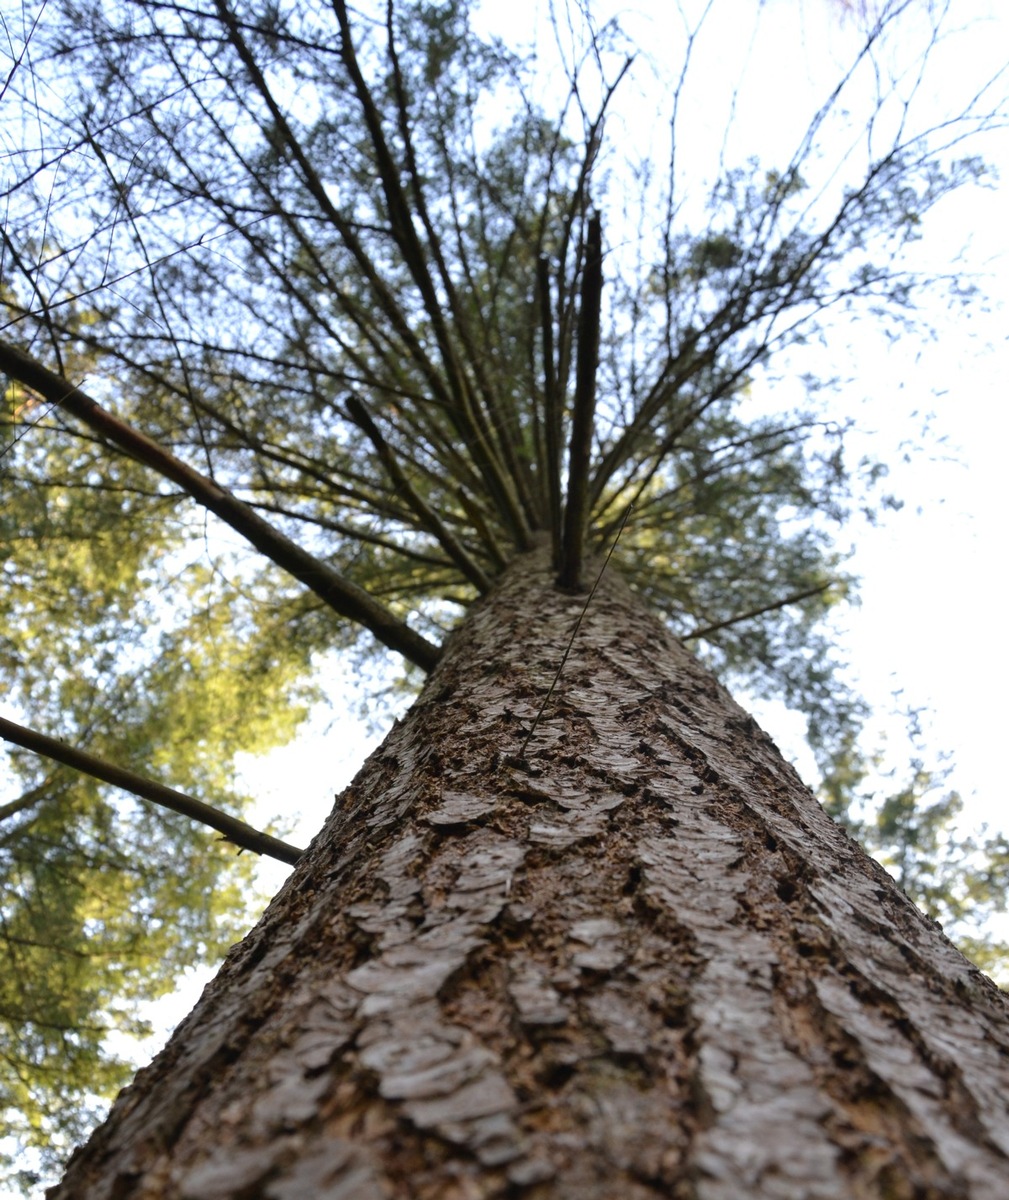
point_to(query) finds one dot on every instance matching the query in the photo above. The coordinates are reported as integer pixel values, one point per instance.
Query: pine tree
(575, 929)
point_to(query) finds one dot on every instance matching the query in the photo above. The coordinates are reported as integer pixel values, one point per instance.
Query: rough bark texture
(640, 963)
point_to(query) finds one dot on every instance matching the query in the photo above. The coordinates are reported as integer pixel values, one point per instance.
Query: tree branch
(425, 514)
(232, 828)
(467, 414)
(551, 405)
(27, 799)
(705, 630)
(579, 453)
(486, 392)
(344, 597)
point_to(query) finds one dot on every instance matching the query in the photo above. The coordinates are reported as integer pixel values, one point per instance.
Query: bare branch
(707, 630)
(232, 828)
(425, 514)
(551, 405)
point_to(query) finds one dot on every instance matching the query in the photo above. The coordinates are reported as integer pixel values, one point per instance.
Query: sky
(929, 625)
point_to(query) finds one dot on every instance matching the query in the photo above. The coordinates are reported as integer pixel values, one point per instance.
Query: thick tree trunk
(639, 962)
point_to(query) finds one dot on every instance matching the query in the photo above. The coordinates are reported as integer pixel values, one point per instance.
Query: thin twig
(703, 631)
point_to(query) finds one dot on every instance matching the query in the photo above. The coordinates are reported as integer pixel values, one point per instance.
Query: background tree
(105, 902)
(365, 325)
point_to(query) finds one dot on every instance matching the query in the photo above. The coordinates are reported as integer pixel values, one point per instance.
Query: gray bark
(640, 962)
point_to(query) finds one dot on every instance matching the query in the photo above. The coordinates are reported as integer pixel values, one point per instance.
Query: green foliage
(104, 900)
(960, 879)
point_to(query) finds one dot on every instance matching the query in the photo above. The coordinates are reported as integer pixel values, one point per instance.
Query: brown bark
(641, 963)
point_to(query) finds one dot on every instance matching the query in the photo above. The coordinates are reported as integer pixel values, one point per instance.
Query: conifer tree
(332, 293)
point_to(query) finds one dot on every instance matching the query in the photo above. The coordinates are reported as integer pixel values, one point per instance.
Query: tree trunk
(638, 961)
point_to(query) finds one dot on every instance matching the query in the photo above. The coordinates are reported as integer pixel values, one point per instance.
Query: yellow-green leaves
(155, 657)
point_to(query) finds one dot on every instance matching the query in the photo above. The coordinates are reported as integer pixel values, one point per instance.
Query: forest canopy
(314, 316)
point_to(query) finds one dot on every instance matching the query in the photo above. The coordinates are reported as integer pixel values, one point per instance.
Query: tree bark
(640, 962)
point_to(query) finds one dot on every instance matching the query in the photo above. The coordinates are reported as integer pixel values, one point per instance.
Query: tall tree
(380, 331)
(624, 952)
